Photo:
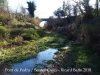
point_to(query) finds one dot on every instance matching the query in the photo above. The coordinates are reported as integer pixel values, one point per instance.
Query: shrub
(13, 23)
(3, 30)
(16, 32)
(19, 25)
(41, 33)
(27, 34)
(4, 19)
(30, 34)
(18, 38)
(28, 37)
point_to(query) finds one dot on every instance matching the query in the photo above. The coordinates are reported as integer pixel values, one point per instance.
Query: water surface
(25, 67)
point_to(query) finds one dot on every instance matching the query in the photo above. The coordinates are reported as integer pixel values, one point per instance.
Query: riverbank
(26, 67)
(78, 60)
(19, 53)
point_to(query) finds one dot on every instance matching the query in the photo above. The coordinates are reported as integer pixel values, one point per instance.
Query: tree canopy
(31, 8)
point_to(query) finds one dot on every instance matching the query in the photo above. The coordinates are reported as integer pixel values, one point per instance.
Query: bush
(19, 25)
(90, 33)
(3, 30)
(27, 34)
(30, 34)
(41, 33)
(28, 37)
(17, 40)
(4, 19)
(16, 32)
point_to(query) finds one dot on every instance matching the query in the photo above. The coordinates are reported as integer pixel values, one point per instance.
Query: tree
(64, 9)
(58, 12)
(86, 12)
(78, 4)
(68, 8)
(97, 10)
(61, 11)
(31, 8)
(75, 10)
(85, 4)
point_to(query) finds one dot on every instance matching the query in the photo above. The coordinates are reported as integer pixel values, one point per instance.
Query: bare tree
(78, 4)
(87, 10)
(75, 10)
(85, 4)
(68, 8)
(64, 8)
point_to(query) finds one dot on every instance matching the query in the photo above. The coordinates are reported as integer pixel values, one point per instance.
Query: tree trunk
(97, 8)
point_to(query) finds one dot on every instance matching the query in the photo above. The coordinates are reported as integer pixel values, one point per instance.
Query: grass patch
(20, 53)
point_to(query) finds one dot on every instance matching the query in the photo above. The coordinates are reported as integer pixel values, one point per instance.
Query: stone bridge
(62, 21)
(44, 19)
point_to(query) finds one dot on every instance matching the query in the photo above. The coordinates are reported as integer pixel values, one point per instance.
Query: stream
(26, 67)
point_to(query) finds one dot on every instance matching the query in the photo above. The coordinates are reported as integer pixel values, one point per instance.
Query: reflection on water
(26, 67)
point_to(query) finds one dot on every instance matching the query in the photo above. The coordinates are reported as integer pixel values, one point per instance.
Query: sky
(44, 8)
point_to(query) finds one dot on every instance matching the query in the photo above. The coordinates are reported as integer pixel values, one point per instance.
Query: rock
(66, 47)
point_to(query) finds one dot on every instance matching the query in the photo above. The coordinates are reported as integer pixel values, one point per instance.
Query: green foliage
(79, 56)
(41, 33)
(20, 52)
(59, 12)
(82, 27)
(16, 32)
(93, 11)
(28, 37)
(17, 40)
(27, 34)
(3, 18)
(30, 34)
(19, 25)
(91, 30)
(89, 27)
(20, 18)
(86, 58)
(31, 8)
(3, 30)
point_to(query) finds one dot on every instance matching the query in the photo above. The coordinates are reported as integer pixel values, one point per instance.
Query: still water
(26, 67)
